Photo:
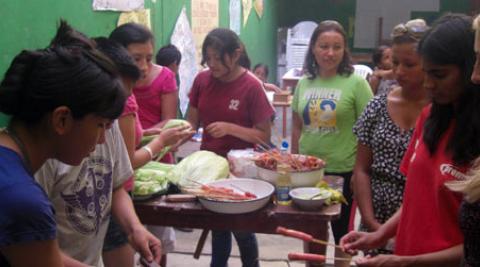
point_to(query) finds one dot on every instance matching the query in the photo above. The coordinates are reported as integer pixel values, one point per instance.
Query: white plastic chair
(362, 70)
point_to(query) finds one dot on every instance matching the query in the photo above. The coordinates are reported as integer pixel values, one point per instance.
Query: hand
(381, 261)
(146, 244)
(354, 241)
(152, 131)
(218, 129)
(174, 135)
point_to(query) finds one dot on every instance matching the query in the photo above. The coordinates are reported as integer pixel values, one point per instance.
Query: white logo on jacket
(234, 103)
(449, 169)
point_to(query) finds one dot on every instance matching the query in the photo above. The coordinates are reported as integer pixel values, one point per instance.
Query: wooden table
(266, 220)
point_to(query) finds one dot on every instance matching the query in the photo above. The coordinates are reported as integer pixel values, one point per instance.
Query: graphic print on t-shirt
(234, 103)
(320, 112)
(87, 206)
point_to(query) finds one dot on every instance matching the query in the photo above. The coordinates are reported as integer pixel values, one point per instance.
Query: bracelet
(149, 150)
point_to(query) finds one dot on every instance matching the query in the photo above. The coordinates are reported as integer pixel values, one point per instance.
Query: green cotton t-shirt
(329, 108)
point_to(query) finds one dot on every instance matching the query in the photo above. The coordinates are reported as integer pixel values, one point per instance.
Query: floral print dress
(388, 142)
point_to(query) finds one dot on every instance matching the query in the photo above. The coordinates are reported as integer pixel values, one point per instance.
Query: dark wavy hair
(261, 65)
(225, 41)
(450, 42)
(70, 73)
(167, 55)
(131, 33)
(377, 54)
(311, 67)
(119, 55)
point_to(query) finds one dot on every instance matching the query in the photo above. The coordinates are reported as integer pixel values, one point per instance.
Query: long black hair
(225, 41)
(119, 55)
(71, 73)
(311, 67)
(131, 33)
(450, 42)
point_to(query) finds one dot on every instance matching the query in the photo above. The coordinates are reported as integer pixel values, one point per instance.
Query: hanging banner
(204, 19)
(235, 11)
(258, 5)
(118, 5)
(140, 17)
(247, 7)
(182, 38)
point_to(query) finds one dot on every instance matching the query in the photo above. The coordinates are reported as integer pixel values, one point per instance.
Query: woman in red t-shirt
(230, 103)
(442, 149)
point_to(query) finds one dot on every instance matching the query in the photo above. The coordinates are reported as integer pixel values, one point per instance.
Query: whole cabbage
(201, 166)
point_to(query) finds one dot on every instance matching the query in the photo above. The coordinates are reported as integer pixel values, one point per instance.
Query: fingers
(144, 250)
(364, 261)
(350, 242)
(157, 252)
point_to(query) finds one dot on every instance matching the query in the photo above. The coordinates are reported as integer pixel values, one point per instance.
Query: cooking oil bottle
(283, 185)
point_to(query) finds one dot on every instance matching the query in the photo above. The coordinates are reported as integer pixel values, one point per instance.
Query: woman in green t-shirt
(326, 104)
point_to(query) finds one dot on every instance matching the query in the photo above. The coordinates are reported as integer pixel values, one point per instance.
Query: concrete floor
(273, 251)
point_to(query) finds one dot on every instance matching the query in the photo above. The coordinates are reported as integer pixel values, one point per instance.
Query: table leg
(284, 122)
(321, 232)
(201, 243)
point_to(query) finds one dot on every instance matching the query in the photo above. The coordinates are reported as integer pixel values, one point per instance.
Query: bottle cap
(284, 145)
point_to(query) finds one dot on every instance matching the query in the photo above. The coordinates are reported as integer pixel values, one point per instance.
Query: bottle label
(282, 194)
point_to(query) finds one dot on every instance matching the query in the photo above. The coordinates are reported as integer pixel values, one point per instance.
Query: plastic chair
(362, 70)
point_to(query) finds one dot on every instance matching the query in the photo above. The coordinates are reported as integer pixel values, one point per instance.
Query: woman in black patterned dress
(384, 132)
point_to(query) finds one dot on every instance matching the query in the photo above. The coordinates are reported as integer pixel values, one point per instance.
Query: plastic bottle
(284, 147)
(197, 137)
(283, 185)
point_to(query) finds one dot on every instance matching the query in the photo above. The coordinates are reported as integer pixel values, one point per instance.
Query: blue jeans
(222, 246)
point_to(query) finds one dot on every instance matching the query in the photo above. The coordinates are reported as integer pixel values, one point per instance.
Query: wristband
(149, 151)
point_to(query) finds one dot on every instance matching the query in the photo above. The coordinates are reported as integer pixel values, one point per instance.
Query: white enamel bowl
(261, 189)
(299, 178)
(301, 197)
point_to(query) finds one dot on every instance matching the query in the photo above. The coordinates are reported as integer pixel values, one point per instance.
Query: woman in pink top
(156, 91)
(116, 251)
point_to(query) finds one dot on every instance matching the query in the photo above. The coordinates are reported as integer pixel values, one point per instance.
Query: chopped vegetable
(151, 178)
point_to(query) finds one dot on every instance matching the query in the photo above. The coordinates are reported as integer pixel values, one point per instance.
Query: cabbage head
(201, 166)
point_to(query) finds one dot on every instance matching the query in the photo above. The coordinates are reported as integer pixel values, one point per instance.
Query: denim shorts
(115, 236)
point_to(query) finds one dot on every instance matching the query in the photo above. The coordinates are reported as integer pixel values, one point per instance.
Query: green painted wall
(30, 24)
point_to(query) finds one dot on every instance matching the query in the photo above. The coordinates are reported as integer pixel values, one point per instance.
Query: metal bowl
(302, 197)
(261, 189)
(299, 178)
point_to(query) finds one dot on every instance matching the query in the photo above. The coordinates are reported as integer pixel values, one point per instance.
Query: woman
(384, 131)
(229, 102)
(325, 106)
(117, 251)
(156, 92)
(441, 150)
(61, 100)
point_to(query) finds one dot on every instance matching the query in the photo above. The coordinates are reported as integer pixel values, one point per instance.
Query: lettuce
(151, 178)
(202, 167)
(169, 124)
